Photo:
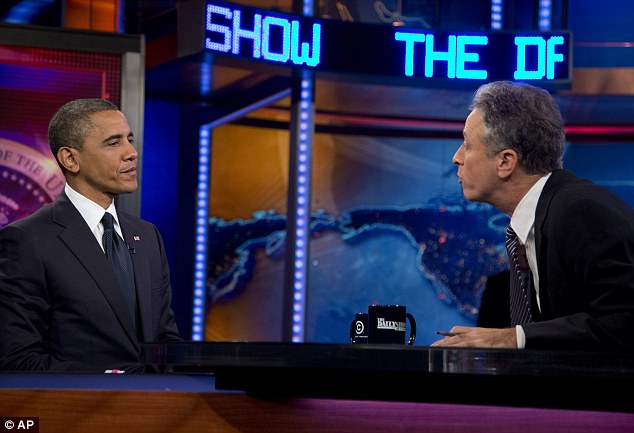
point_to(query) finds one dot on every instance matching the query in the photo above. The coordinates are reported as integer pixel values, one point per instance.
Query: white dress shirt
(523, 223)
(92, 213)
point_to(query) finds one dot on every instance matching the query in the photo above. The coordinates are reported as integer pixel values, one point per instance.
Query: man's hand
(466, 336)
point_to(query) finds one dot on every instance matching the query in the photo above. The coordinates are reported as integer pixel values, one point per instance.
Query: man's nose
(455, 158)
(132, 153)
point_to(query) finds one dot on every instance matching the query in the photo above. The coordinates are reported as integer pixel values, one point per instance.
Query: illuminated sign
(385, 51)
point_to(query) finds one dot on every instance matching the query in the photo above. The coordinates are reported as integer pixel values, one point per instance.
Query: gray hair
(524, 118)
(71, 123)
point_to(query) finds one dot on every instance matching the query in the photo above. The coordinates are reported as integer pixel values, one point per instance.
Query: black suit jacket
(584, 239)
(495, 304)
(61, 308)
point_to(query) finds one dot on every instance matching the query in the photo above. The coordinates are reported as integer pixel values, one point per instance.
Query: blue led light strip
(545, 15)
(302, 205)
(302, 199)
(200, 256)
(497, 14)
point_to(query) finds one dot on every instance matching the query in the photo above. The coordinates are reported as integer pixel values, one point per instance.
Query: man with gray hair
(570, 241)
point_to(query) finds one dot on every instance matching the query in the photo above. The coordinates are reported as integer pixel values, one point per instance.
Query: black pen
(448, 334)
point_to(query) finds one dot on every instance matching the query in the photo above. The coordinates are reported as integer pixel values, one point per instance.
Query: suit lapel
(556, 180)
(79, 239)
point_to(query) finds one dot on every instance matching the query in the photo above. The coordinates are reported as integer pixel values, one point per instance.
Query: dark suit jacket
(61, 308)
(495, 304)
(584, 237)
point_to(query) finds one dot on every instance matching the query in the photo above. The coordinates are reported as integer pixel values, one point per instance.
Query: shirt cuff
(521, 337)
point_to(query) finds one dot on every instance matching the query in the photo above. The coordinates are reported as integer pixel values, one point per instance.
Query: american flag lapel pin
(136, 238)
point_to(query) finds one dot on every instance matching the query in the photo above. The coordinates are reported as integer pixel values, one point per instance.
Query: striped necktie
(119, 257)
(520, 277)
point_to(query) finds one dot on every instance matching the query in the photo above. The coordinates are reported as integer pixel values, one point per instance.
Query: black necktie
(520, 276)
(119, 257)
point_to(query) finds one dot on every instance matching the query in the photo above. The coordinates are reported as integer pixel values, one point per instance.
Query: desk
(314, 388)
(523, 378)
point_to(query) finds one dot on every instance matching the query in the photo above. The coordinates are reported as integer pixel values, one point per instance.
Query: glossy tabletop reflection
(562, 379)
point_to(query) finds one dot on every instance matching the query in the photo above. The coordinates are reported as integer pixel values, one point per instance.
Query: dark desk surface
(579, 380)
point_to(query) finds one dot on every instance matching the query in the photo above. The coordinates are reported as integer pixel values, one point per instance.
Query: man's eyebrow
(111, 137)
(116, 137)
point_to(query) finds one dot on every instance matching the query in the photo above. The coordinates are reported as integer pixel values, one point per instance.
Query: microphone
(131, 248)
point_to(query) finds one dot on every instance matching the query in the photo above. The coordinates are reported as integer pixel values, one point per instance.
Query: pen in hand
(448, 334)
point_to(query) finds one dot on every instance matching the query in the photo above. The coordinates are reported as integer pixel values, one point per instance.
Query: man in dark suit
(578, 236)
(61, 303)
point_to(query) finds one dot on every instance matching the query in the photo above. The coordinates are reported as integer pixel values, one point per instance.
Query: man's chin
(469, 196)
(128, 188)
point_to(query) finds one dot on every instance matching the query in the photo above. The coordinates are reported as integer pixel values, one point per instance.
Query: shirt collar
(89, 210)
(523, 217)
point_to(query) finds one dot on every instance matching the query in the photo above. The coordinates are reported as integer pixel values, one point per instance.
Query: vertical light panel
(307, 8)
(302, 203)
(298, 225)
(545, 15)
(200, 256)
(497, 14)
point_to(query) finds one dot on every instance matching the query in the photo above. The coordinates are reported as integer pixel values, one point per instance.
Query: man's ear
(67, 158)
(507, 163)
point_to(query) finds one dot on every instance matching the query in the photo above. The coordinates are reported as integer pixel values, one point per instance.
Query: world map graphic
(444, 248)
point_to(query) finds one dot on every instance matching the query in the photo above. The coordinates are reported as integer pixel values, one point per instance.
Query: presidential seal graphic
(28, 180)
